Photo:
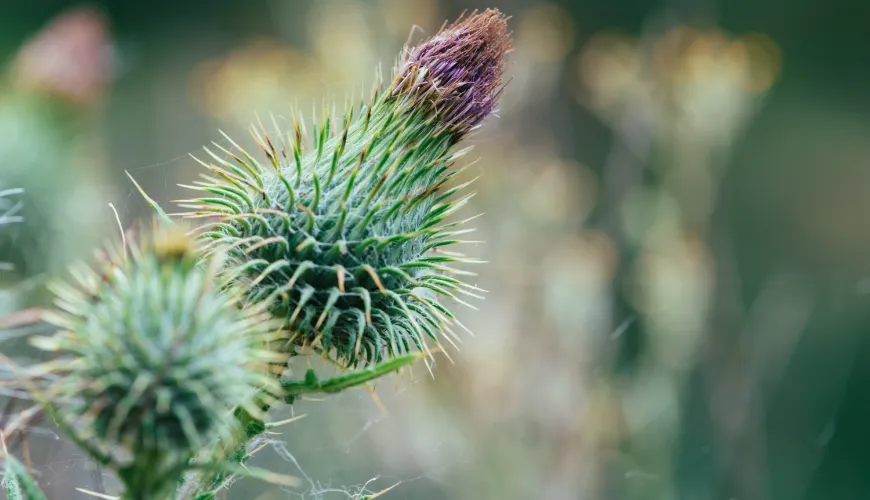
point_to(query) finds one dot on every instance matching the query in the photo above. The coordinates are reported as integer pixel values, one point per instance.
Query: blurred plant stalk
(676, 100)
(50, 95)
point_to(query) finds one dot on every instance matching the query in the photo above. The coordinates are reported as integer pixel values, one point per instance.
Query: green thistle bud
(155, 353)
(346, 240)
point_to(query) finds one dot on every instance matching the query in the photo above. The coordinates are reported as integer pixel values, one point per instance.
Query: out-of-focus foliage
(48, 95)
(675, 196)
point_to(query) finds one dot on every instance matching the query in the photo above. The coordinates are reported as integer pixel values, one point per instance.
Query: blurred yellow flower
(546, 32)
(254, 77)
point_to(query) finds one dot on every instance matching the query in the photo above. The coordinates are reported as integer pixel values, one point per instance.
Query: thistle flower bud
(458, 72)
(154, 352)
(346, 241)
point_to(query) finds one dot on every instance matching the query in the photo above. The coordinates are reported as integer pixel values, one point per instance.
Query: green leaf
(311, 384)
(245, 471)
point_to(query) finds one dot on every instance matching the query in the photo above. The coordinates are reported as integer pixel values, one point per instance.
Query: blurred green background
(675, 198)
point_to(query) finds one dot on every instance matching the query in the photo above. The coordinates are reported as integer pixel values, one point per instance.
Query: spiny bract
(347, 241)
(155, 352)
(9, 211)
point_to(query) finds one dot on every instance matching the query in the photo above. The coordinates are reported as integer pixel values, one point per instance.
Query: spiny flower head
(347, 241)
(458, 72)
(154, 351)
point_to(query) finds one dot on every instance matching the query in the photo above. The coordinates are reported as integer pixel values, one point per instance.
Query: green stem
(151, 476)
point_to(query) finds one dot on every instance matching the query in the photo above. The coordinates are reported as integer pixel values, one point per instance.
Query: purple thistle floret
(458, 72)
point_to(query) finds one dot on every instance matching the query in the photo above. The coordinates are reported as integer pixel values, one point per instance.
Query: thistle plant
(170, 351)
(155, 355)
(345, 239)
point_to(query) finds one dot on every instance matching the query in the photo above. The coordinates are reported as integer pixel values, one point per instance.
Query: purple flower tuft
(458, 72)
